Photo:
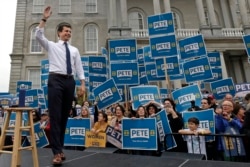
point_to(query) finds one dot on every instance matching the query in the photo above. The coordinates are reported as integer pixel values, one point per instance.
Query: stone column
(205, 29)
(244, 18)
(216, 29)
(125, 30)
(112, 11)
(232, 6)
(113, 28)
(157, 8)
(167, 6)
(223, 66)
(124, 13)
(225, 13)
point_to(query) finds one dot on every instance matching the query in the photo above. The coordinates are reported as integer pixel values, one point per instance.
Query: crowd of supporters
(227, 112)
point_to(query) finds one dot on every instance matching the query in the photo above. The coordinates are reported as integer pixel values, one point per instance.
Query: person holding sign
(224, 121)
(176, 123)
(141, 112)
(195, 143)
(85, 114)
(64, 63)
(119, 115)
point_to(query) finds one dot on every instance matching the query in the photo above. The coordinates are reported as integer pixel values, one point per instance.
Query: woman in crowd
(109, 114)
(141, 112)
(151, 109)
(101, 124)
(239, 113)
(119, 115)
(176, 123)
(85, 114)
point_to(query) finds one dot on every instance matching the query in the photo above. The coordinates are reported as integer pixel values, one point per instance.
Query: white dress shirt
(57, 55)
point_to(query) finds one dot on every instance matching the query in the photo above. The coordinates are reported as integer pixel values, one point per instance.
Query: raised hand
(47, 12)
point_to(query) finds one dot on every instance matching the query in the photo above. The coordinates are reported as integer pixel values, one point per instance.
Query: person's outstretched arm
(40, 29)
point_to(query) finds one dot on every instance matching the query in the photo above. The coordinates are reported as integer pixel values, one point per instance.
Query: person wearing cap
(213, 102)
(45, 125)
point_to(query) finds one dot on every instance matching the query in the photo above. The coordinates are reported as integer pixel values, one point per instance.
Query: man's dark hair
(208, 100)
(194, 120)
(247, 97)
(62, 25)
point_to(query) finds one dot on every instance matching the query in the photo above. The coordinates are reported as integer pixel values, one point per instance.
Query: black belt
(61, 75)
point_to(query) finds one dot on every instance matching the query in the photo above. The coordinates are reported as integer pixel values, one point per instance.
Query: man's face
(65, 35)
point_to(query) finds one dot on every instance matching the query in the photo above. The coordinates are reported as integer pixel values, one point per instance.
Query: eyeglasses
(204, 103)
(227, 105)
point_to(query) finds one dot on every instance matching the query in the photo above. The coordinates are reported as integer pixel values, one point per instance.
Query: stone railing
(187, 32)
(139, 33)
(232, 32)
(181, 33)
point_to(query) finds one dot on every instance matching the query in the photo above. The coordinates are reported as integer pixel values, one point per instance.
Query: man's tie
(69, 69)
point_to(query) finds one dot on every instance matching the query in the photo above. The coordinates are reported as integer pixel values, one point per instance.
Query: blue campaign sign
(142, 94)
(164, 93)
(178, 76)
(172, 65)
(185, 95)
(34, 98)
(85, 63)
(104, 52)
(236, 146)
(197, 70)
(139, 134)
(147, 55)
(246, 40)
(106, 94)
(161, 24)
(45, 94)
(140, 56)
(143, 80)
(44, 79)
(95, 81)
(45, 66)
(242, 89)
(122, 49)
(125, 73)
(75, 131)
(214, 59)
(97, 65)
(24, 85)
(6, 100)
(222, 87)
(114, 136)
(142, 75)
(152, 74)
(121, 89)
(41, 138)
(163, 46)
(12, 122)
(217, 75)
(164, 128)
(142, 71)
(206, 119)
(192, 47)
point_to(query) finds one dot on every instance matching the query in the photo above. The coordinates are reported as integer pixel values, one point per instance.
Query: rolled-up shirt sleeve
(39, 34)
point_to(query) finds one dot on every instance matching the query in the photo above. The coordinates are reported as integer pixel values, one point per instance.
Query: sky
(8, 15)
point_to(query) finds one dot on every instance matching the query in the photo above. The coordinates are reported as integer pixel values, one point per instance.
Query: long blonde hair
(87, 109)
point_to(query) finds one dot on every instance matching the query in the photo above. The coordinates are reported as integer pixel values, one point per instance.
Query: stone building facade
(222, 23)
